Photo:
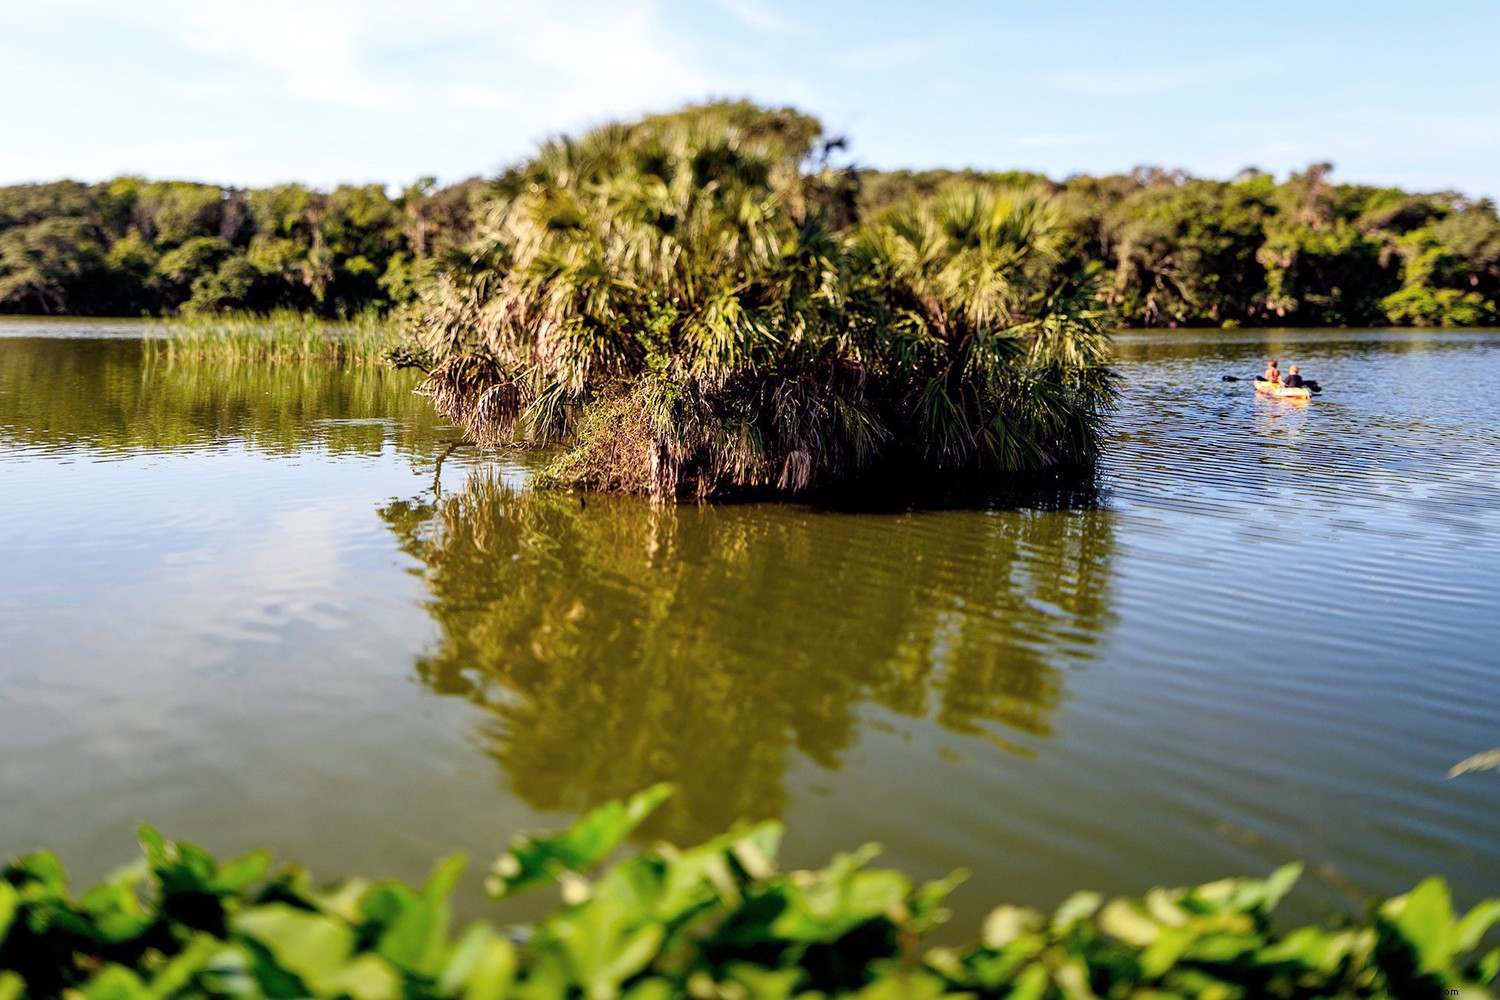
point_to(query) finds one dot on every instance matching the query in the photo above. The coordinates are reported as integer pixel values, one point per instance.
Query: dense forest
(1175, 250)
(1170, 249)
(130, 246)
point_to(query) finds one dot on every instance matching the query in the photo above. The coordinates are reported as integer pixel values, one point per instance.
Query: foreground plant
(693, 309)
(714, 921)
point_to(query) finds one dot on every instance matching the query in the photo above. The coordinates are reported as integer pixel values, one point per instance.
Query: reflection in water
(103, 396)
(617, 644)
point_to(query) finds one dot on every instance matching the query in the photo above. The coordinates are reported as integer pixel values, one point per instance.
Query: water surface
(247, 605)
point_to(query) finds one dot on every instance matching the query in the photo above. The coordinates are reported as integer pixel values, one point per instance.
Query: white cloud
(340, 90)
(758, 16)
(380, 55)
(336, 89)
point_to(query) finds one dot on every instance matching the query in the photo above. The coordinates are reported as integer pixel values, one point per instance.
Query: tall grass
(283, 336)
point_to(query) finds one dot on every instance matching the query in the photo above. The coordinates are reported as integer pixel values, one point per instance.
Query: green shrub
(714, 921)
(1419, 305)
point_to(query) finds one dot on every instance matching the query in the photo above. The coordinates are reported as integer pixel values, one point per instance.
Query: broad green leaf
(607, 968)
(201, 953)
(12, 986)
(416, 939)
(479, 966)
(1006, 923)
(10, 901)
(311, 946)
(763, 983)
(654, 988)
(831, 907)
(1306, 946)
(494, 972)
(154, 844)
(344, 900)
(38, 876)
(238, 875)
(927, 902)
(907, 984)
(1031, 984)
(533, 861)
(368, 977)
(1424, 917)
(1471, 929)
(1076, 907)
(445, 875)
(112, 914)
(115, 982)
(1164, 952)
(1488, 969)
(1073, 979)
(1279, 884)
(755, 849)
(1121, 919)
(1164, 909)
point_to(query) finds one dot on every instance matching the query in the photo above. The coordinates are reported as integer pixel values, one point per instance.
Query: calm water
(243, 605)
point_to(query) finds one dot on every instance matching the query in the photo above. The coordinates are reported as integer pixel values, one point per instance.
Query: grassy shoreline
(283, 336)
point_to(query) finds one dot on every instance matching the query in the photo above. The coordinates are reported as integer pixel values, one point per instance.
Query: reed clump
(280, 337)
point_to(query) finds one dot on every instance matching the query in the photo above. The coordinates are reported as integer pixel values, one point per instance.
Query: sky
(252, 92)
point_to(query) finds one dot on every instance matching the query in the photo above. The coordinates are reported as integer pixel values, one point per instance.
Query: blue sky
(329, 91)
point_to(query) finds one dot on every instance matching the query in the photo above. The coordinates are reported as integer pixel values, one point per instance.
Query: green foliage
(131, 246)
(685, 299)
(1186, 254)
(719, 920)
(1171, 250)
(367, 338)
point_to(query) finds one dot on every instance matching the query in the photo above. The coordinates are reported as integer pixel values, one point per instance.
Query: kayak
(1285, 392)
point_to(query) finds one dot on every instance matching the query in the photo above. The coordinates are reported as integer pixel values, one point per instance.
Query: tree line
(1175, 250)
(131, 246)
(1169, 249)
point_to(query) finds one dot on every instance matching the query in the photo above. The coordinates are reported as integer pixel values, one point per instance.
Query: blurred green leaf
(717, 921)
(311, 946)
(10, 901)
(534, 861)
(1424, 917)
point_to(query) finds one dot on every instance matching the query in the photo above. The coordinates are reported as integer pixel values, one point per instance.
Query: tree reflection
(616, 644)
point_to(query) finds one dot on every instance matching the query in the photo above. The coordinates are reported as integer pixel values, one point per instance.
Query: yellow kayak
(1285, 392)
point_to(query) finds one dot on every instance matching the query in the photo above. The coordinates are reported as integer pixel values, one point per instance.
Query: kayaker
(1293, 380)
(1273, 374)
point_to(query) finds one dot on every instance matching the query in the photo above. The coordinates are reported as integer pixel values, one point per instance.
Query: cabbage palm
(674, 299)
(995, 361)
(670, 281)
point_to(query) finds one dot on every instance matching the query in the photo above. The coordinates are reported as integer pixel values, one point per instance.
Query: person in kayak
(1273, 374)
(1293, 380)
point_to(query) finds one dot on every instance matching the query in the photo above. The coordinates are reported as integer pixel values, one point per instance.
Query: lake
(285, 607)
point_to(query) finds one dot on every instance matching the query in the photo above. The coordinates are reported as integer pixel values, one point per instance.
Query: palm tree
(997, 359)
(674, 298)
